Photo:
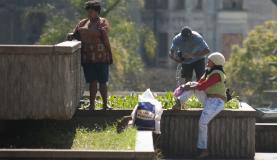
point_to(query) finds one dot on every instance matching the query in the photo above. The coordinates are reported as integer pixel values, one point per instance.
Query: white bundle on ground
(148, 112)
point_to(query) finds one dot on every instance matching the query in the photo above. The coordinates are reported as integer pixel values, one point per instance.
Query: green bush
(167, 100)
(247, 69)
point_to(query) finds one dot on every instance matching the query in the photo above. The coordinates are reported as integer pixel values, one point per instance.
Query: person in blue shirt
(189, 48)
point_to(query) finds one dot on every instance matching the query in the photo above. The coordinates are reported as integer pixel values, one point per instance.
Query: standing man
(95, 52)
(189, 48)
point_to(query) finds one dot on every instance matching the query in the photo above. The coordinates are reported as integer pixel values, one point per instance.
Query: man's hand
(69, 37)
(186, 86)
(176, 59)
(189, 86)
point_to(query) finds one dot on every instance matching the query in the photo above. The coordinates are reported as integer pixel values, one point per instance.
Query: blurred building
(22, 21)
(221, 22)
(17, 26)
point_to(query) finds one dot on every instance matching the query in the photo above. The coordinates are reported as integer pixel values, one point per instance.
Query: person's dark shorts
(96, 72)
(197, 66)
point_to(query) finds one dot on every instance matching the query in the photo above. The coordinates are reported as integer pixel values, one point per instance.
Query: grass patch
(104, 139)
(67, 135)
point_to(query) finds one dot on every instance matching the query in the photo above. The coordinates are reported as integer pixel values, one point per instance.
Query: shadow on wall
(45, 134)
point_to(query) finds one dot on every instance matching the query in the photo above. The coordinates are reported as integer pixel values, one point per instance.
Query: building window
(162, 44)
(158, 4)
(179, 4)
(230, 39)
(232, 4)
(199, 5)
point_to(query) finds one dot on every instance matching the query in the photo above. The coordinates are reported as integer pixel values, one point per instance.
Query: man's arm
(201, 53)
(173, 50)
(201, 48)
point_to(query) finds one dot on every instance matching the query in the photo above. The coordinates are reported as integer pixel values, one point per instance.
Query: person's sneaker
(177, 105)
(203, 154)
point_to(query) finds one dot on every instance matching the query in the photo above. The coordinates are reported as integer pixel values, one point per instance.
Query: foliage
(54, 33)
(192, 102)
(125, 37)
(232, 104)
(128, 64)
(149, 43)
(122, 102)
(248, 70)
(167, 100)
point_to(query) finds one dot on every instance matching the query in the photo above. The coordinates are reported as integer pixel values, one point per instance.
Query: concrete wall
(19, 26)
(266, 137)
(40, 82)
(231, 134)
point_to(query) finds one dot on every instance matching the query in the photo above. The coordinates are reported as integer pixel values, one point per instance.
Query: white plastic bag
(147, 97)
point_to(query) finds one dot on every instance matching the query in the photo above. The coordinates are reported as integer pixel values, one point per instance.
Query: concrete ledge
(265, 156)
(67, 47)
(144, 151)
(26, 49)
(244, 110)
(102, 113)
(56, 153)
(144, 145)
(266, 137)
(47, 81)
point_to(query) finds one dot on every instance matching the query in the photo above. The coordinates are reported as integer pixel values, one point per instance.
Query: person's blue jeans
(212, 106)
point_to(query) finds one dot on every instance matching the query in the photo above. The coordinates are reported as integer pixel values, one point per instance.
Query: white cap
(217, 58)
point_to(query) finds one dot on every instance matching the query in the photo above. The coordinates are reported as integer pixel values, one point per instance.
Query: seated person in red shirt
(211, 92)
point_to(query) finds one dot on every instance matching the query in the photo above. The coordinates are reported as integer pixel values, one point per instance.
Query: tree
(125, 37)
(248, 69)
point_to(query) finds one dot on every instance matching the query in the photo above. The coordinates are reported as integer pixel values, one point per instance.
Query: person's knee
(93, 84)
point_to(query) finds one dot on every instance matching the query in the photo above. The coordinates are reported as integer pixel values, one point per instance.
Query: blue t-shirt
(195, 44)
